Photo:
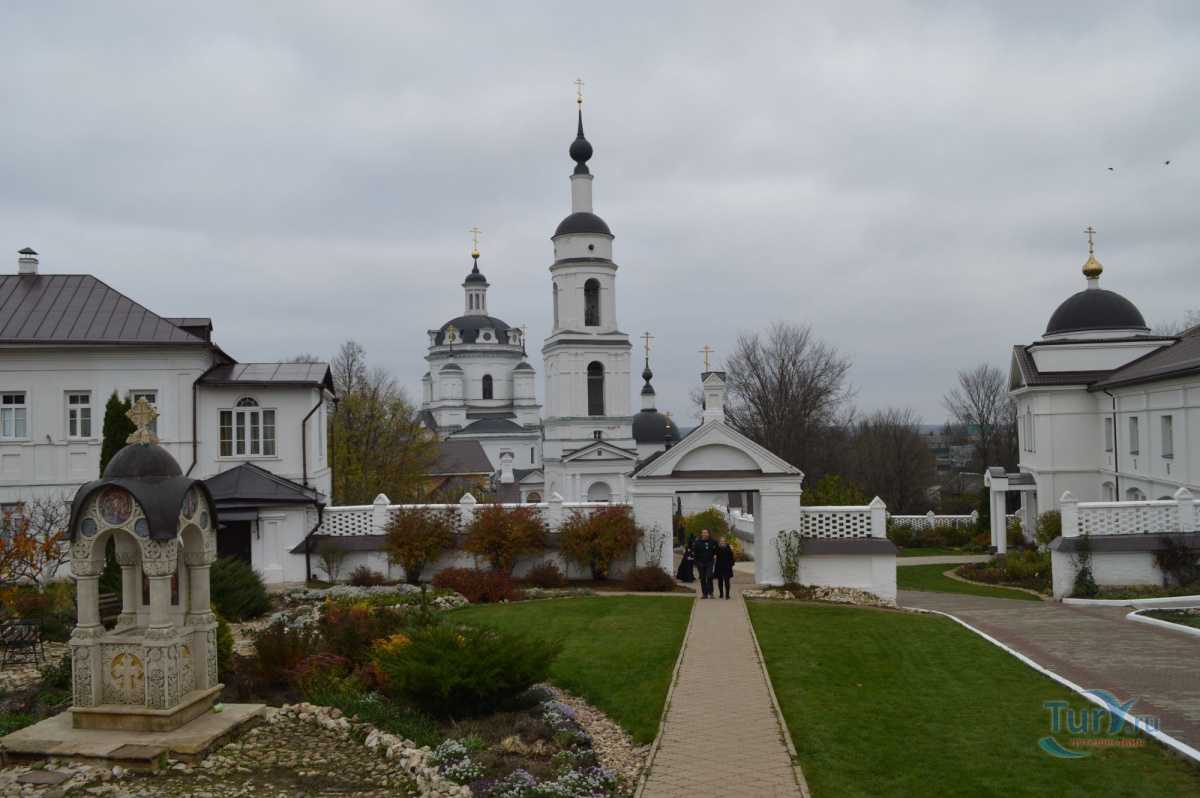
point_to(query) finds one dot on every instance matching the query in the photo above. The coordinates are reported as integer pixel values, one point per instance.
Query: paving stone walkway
(721, 699)
(1094, 647)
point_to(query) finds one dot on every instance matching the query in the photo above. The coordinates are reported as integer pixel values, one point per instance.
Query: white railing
(373, 519)
(869, 521)
(932, 519)
(1180, 514)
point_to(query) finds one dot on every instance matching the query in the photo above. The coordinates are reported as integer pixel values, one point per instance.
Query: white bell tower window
(591, 303)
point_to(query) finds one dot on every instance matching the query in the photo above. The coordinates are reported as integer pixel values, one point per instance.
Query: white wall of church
(566, 379)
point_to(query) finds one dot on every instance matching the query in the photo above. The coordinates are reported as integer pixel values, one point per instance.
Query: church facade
(480, 386)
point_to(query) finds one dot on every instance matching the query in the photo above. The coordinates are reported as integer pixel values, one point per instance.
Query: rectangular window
(1168, 436)
(79, 414)
(1133, 436)
(1108, 434)
(247, 432)
(151, 398)
(14, 416)
(226, 433)
(268, 433)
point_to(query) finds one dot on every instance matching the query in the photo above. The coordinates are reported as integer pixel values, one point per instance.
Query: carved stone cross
(142, 414)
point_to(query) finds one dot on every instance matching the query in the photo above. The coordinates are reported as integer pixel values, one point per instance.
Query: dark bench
(21, 641)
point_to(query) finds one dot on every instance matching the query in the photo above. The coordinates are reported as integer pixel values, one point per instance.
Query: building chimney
(506, 468)
(713, 383)
(27, 262)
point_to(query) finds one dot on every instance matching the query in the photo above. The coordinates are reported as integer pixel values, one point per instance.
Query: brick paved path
(721, 737)
(1094, 647)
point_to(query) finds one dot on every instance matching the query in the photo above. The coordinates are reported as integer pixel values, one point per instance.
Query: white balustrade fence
(932, 519)
(869, 521)
(1180, 514)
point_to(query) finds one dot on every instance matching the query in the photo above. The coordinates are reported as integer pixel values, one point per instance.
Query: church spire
(476, 285)
(1092, 268)
(647, 375)
(581, 148)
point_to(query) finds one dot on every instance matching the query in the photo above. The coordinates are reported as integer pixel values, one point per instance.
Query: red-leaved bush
(599, 538)
(478, 587)
(502, 534)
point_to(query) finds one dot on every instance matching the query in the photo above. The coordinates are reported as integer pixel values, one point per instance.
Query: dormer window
(247, 430)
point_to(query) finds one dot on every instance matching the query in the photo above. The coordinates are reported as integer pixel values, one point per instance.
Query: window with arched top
(595, 388)
(487, 386)
(1135, 495)
(246, 430)
(554, 290)
(591, 303)
(246, 401)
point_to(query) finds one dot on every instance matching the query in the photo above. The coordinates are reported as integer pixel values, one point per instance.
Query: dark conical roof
(475, 276)
(581, 149)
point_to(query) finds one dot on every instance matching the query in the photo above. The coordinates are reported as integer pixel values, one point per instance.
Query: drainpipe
(308, 543)
(304, 440)
(1116, 449)
(195, 399)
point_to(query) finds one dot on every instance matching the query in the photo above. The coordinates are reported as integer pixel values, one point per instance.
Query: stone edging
(797, 771)
(1178, 746)
(951, 575)
(1137, 617)
(414, 760)
(1160, 602)
(662, 720)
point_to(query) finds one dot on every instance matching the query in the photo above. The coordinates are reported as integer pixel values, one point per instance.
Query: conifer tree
(117, 429)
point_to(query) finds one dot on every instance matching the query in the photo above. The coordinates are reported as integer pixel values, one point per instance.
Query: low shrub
(53, 607)
(1179, 562)
(901, 536)
(416, 536)
(649, 579)
(1049, 527)
(502, 534)
(57, 676)
(224, 645)
(711, 519)
(363, 576)
(278, 649)
(237, 589)
(599, 538)
(320, 675)
(349, 628)
(546, 574)
(1027, 568)
(460, 672)
(478, 587)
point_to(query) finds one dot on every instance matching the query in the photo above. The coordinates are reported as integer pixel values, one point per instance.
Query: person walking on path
(723, 567)
(686, 572)
(704, 550)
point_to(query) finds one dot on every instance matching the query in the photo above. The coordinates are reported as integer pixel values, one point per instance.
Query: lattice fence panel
(835, 524)
(1195, 518)
(1129, 518)
(349, 521)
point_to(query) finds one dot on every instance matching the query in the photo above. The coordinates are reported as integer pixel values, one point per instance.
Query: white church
(480, 386)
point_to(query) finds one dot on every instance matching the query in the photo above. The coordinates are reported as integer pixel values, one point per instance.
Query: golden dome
(1092, 268)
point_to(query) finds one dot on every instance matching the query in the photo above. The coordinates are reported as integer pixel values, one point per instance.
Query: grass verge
(896, 704)
(618, 652)
(934, 551)
(933, 578)
(1181, 617)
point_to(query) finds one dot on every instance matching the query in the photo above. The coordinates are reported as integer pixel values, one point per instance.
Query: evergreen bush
(1049, 527)
(117, 429)
(237, 589)
(649, 578)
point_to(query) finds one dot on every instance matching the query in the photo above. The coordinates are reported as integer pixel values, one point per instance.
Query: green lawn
(932, 577)
(886, 703)
(932, 551)
(1176, 616)
(618, 652)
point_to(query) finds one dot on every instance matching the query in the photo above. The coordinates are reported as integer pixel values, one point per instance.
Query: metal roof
(459, 457)
(1179, 359)
(316, 374)
(1034, 378)
(79, 309)
(248, 485)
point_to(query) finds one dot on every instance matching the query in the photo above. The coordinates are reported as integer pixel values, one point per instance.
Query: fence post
(554, 511)
(379, 514)
(1186, 509)
(466, 510)
(878, 518)
(929, 516)
(1070, 515)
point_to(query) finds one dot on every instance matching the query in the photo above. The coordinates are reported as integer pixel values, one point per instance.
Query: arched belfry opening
(591, 303)
(488, 388)
(595, 388)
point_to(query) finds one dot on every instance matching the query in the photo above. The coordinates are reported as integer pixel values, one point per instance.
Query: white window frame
(1109, 437)
(151, 397)
(11, 412)
(1135, 443)
(1167, 425)
(80, 421)
(248, 425)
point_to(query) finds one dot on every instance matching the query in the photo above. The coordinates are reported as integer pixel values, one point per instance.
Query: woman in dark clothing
(685, 572)
(723, 567)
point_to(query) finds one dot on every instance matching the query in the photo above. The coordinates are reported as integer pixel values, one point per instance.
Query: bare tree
(349, 367)
(304, 357)
(890, 459)
(1178, 326)
(981, 403)
(788, 391)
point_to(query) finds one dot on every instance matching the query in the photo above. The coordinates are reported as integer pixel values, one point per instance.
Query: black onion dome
(581, 149)
(651, 426)
(142, 461)
(469, 328)
(1096, 309)
(475, 276)
(582, 222)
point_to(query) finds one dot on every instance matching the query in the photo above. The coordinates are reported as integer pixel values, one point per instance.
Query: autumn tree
(417, 536)
(33, 542)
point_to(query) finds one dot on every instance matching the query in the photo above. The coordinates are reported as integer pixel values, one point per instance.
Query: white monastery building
(255, 432)
(1107, 410)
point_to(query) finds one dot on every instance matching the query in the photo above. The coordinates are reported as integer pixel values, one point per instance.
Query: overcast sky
(912, 180)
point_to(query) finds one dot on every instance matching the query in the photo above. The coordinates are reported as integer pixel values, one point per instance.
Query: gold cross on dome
(647, 337)
(475, 233)
(1091, 231)
(142, 414)
(706, 351)
(578, 91)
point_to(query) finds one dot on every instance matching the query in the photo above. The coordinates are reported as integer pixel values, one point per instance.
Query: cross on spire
(142, 414)
(647, 337)
(1091, 231)
(706, 350)
(475, 233)
(579, 91)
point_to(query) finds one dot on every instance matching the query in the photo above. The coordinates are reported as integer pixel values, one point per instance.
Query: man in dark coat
(704, 550)
(723, 567)
(686, 571)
